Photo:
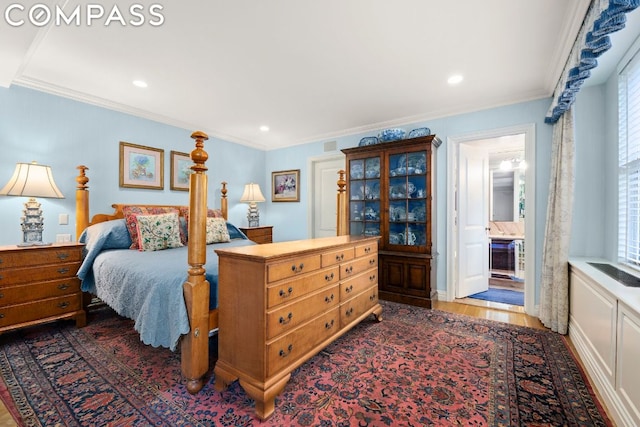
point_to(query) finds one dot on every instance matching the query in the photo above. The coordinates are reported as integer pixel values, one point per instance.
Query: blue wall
(290, 220)
(64, 134)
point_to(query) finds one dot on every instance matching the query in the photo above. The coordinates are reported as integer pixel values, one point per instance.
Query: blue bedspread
(146, 286)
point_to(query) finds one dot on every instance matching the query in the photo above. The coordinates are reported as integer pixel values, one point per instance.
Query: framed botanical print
(141, 167)
(180, 170)
(285, 186)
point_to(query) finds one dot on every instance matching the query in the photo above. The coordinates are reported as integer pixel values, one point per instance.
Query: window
(629, 163)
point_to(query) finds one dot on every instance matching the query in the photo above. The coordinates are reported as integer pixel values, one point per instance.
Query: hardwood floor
(475, 308)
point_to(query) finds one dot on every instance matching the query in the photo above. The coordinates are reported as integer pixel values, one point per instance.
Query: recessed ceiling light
(140, 83)
(264, 128)
(455, 79)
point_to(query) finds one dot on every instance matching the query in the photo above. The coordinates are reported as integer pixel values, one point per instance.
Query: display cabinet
(389, 193)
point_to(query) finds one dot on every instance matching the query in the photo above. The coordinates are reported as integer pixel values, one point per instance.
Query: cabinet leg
(265, 398)
(81, 319)
(223, 377)
(377, 313)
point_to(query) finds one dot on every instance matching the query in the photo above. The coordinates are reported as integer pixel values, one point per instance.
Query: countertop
(630, 296)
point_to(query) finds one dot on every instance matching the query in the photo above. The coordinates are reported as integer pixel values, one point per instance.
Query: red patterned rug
(416, 367)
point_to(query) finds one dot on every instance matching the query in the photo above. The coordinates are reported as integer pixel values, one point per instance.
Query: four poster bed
(280, 303)
(171, 294)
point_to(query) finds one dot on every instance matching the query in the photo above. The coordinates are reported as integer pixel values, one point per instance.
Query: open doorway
(490, 246)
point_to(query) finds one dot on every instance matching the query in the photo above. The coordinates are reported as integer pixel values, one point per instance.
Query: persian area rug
(418, 367)
(505, 296)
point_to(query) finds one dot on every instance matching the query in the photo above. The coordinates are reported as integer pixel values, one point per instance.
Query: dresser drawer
(288, 317)
(39, 310)
(40, 256)
(31, 292)
(286, 291)
(16, 276)
(353, 308)
(288, 349)
(357, 266)
(352, 287)
(336, 257)
(368, 249)
(292, 268)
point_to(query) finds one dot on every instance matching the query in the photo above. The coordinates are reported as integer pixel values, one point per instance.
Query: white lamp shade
(252, 193)
(32, 180)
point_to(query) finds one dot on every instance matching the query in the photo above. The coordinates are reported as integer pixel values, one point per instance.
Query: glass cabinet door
(364, 196)
(408, 192)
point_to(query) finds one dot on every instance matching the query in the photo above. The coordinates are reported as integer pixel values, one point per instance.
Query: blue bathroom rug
(504, 296)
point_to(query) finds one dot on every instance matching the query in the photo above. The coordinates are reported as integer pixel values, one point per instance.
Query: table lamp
(32, 180)
(252, 195)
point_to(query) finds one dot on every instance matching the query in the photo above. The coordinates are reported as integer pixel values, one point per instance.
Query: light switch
(63, 219)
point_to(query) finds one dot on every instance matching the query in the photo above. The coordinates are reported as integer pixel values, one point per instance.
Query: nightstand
(262, 234)
(38, 284)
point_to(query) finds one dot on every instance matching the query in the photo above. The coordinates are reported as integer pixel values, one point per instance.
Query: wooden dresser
(38, 284)
(262, 234)
(282, 303)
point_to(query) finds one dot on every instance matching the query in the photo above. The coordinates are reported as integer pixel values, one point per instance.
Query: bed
(171, 293)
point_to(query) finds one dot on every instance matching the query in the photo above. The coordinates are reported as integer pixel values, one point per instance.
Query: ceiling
(309, 70)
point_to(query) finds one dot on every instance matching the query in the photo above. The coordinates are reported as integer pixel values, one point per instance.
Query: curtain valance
(603, 18)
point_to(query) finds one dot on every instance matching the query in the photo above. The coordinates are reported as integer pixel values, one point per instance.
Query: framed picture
(180, 170)
(285, 186)
(141, 167)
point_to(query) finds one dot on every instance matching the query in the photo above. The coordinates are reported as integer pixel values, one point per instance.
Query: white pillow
(217, 231)
(158, 232)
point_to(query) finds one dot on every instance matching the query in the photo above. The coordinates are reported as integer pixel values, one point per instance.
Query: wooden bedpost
(224, 206)
(82, 201)
(342, 205)
(195, 344)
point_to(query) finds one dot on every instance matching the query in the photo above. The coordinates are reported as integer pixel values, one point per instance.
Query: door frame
(311, 162)
(453, 144)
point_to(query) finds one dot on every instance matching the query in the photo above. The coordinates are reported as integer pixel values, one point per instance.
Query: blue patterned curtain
(603, 18)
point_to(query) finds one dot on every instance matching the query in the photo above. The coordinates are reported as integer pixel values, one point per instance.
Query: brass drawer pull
(284, 321)
(284, 294)
(339, 257)
(372, 261)
(328, 277)
(349, 311)
(64, 304)
(297, 269)
(63, 255)
(63, 270)
(328, 325)
(372, 297)
(367, 250)
(349, 269)
(63, 286)
(1, 315)
(348, 289)
(372, 277)
(328, 299)
(283, 353)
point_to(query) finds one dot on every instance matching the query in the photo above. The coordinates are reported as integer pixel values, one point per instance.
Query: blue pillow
(99, 237)
(234, 233)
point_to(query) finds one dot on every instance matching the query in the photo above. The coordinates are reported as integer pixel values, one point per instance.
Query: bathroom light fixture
(264, 128)
(32, 180)
(507, 165)
(252, 195)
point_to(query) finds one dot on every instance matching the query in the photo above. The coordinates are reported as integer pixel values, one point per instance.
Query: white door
(325, 191)
(473, 220)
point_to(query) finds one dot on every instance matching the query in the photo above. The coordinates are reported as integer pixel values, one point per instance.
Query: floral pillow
(158, 232)
(217, 231)
(211, 213)
(130, 212)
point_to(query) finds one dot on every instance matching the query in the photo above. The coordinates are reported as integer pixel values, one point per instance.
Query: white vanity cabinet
(604, 326)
